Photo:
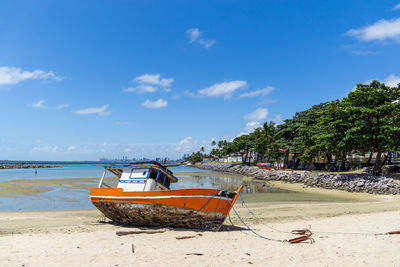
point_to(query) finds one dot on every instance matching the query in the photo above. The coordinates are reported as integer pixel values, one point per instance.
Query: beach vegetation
(365, 122)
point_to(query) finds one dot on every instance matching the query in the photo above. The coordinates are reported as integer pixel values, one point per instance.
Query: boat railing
(102, 183)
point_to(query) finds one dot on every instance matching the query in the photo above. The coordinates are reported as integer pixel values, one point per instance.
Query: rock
(360, 183)
(350, 182)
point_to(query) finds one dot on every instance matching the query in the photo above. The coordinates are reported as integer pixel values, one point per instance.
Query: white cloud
(224, 89)
(72, 147)
(186, 140)
(238, 135)
(277, 118)
(154, 79)
(45, 148)
(194, 36)
(101, 111)
(106, 149)
(364, 52)
(62, 106)
(187, 144)
(266, 101)
(257, 115)
(140, 89)
(150, 83)
(392, 80)
(259, 92)
(40, 104)
(206, 43)
(189, 93)
(13, 75)
(380, 30)
(251, 126)
(396, 7)
(160, 103)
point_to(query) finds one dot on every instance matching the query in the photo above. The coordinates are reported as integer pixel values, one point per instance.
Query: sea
(70, 171)
(66, 187)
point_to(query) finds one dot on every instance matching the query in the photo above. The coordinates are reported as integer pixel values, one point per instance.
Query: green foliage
(242, 145)
(367, 120)
(375, 120)
(195, 157)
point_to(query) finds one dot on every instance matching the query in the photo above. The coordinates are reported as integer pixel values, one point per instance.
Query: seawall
(346, 182)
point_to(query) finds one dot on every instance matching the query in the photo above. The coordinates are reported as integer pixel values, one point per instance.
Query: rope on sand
(249, 228)
(304, 232)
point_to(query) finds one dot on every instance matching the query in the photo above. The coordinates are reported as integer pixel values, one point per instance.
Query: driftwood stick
(120, 233)
(301, 239)
(188, 236)
(394, 233)
(185, 237)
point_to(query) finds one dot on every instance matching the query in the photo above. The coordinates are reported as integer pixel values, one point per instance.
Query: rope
(252, 230)
(321, 233)
(350, 233)
(258, 219)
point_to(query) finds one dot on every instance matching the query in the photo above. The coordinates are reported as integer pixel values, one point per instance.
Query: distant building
(231, 158)
(210, 158)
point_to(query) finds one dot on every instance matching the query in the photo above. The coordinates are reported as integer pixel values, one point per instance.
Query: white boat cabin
(148, 177)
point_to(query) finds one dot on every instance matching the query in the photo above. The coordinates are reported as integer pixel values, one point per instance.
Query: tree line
(366, 121)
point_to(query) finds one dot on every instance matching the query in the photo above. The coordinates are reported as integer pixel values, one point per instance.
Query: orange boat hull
(187, 208)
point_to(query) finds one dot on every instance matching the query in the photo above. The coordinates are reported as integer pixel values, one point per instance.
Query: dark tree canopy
(366, 121)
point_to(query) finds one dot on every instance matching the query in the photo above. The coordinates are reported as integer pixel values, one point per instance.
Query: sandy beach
(81, 238)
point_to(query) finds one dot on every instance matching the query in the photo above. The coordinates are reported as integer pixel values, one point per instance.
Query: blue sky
(80, 80)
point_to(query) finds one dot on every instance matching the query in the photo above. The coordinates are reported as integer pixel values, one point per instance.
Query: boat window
(167, 182)
(153, 174)
(161, 178)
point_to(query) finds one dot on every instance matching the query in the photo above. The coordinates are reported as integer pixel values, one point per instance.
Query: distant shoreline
(7, 167)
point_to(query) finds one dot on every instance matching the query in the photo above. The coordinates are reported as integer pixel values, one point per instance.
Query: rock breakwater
(346, 182)
(23, 166)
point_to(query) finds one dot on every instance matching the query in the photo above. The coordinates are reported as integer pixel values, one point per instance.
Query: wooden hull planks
(183, 208)
(147, 215)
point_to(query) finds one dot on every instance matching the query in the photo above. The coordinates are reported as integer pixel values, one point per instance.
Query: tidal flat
(275, 200)
(67, 224)
(20, 188)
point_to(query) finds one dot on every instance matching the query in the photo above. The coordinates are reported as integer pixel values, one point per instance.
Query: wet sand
(71, 238)
(22, 187)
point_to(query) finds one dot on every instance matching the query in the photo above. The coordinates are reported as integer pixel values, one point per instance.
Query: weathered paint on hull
(159, 215)
(186, 208)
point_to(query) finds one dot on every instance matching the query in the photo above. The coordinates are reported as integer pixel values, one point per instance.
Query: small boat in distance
(143, 198)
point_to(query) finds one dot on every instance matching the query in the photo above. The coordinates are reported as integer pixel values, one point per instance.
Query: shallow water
(70, 171)
(68, 187)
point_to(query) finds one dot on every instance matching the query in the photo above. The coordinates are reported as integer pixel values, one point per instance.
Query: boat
(143, 197)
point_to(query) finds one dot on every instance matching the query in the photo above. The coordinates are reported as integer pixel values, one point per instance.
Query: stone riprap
(22, 166)
(348, 182)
